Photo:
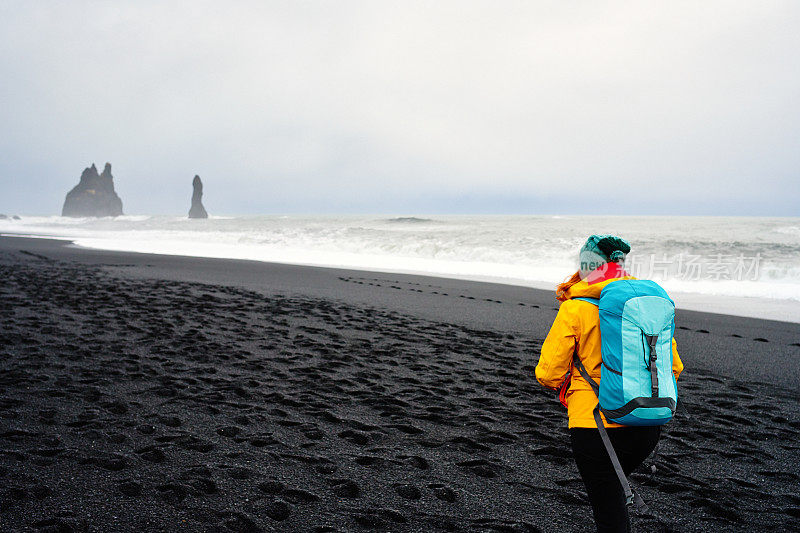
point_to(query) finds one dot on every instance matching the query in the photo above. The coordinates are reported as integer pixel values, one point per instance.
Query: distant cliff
(93, 196)
(197, 210)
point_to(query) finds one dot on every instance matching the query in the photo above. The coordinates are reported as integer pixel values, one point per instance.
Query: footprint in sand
(409, 492)
(190, 442)
(479, 467)
(326, 467)
(130, 488)
(228, 431)
(235, 521)
(170, 421)
(146, 429)
(151, 454)
(368, 460)
(356, 437)
(116, 438)
(299, 496)
(415, 461)
(443, 492)
(346, 488)
(173, 493)
(277, 510)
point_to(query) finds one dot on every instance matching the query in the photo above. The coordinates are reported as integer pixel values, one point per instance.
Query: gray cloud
(378, 106)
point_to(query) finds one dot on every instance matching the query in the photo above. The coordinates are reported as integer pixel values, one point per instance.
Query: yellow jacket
(577, 324)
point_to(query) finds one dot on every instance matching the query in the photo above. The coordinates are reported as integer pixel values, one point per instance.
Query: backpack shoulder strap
(585, 374)
(593, 301)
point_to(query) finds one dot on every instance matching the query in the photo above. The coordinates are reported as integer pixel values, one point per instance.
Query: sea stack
(197, 210)
(93, 196)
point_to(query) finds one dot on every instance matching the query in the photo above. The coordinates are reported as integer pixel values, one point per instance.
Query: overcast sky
(405, 107)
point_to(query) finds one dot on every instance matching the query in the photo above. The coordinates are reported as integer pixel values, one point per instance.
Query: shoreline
(781, 310)
(751, 345)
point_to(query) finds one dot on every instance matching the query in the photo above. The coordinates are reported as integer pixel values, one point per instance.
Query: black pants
(633, 445)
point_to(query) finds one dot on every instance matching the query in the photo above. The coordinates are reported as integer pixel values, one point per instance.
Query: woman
(576, 332)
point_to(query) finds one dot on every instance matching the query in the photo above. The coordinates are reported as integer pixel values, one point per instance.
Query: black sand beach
(156, 393)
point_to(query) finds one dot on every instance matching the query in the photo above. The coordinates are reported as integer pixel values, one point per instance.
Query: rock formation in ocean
(93, 196)
(197, 210)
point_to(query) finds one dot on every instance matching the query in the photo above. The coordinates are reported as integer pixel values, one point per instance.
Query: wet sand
(145, 392)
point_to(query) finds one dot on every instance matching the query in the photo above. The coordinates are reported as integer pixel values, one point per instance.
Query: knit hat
(602, 249)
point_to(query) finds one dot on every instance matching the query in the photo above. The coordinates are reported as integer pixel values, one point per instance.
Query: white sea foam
(789, 230)
(751, 265)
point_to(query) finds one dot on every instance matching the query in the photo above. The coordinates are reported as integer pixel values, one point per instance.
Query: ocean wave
(789, 230)
(78, 221)
(410, 220)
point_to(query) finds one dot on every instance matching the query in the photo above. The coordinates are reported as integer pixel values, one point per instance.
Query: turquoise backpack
(638, 388)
